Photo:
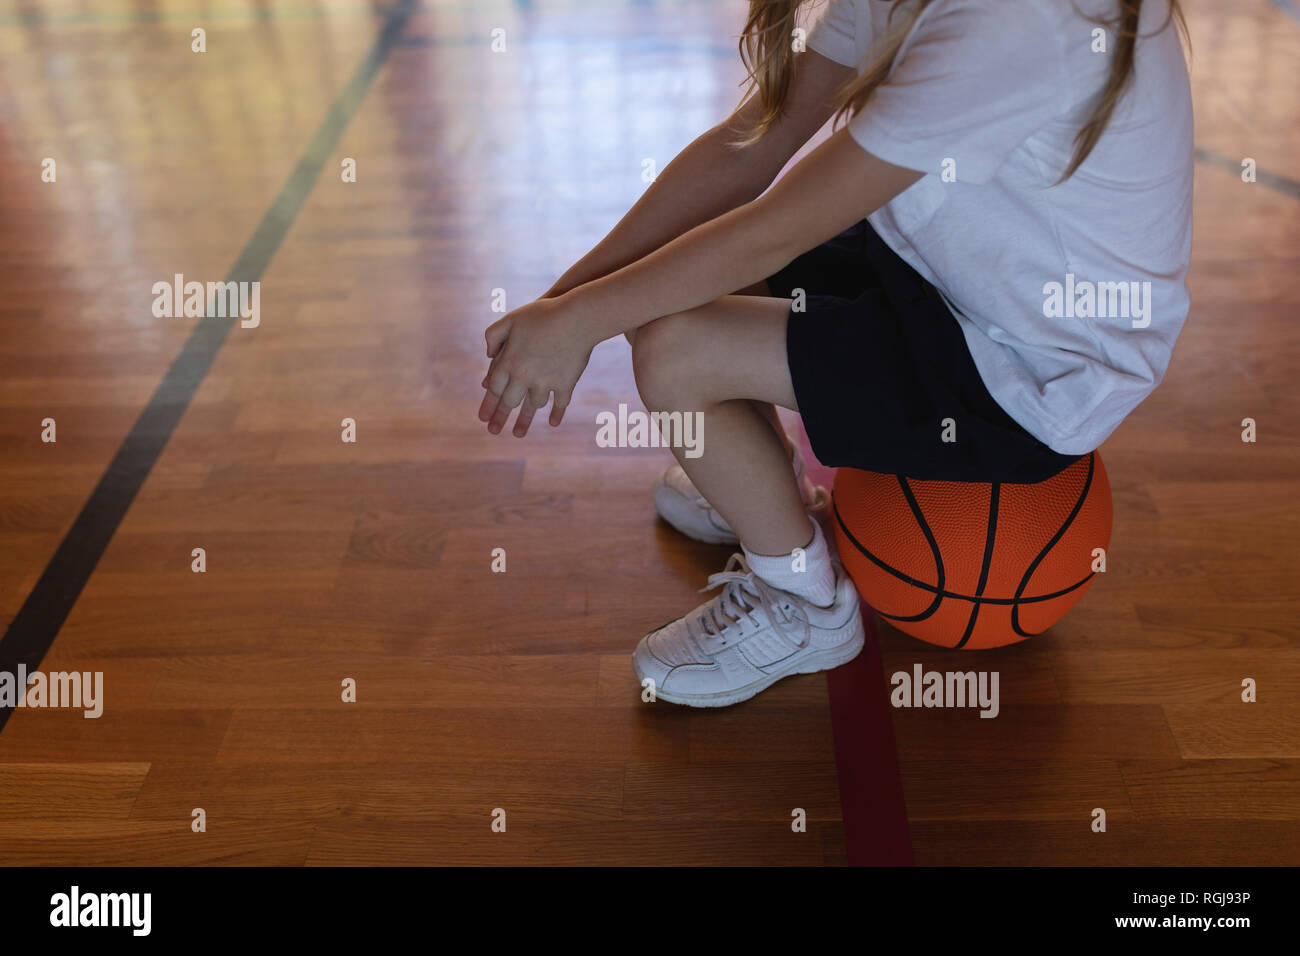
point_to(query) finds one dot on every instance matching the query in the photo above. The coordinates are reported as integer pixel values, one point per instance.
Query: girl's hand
(538, 349)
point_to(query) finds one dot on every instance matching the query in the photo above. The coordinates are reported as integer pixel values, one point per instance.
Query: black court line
(1269, 180)
(37, 623)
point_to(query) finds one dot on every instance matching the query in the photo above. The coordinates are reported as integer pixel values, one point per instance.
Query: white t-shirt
(1070, 297)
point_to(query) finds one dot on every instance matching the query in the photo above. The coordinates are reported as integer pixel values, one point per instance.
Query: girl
(995, 159)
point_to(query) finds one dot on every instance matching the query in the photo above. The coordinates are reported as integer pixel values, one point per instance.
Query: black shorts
(879, 362)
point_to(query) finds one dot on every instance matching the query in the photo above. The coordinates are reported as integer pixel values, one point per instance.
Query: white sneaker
(746, 639)
(680, 503)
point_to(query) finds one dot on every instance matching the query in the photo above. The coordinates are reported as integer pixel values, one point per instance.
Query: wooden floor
(371, 560)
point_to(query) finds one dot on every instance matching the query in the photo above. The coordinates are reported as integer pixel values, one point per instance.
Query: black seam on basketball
(934, 550)
(923, 586)
(994, 491)
(1036, 599)
(1024, 582)
(970, 626)
(939, 594)
(989, 534)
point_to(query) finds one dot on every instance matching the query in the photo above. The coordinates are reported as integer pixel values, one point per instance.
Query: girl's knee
(660, 353)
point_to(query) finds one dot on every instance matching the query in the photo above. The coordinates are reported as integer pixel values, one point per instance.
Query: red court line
(866, 757)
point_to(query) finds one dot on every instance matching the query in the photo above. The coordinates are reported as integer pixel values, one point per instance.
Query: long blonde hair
(768, 54)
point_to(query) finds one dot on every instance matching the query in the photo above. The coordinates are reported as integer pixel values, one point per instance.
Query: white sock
(815, 582)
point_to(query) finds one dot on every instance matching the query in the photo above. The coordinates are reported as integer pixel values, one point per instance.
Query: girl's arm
(710, 177)
(835, 186)
(542, 348)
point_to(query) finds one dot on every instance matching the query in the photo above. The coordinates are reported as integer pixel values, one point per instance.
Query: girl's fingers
(562, 398)
(496, 381)
(525, 419)
(493, 363)
(497, 378)
(498, 419)
(510, 398)
(489, 406)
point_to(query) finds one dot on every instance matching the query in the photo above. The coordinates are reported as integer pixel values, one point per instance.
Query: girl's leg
(774, 616)
(766, 409)
(727, 359)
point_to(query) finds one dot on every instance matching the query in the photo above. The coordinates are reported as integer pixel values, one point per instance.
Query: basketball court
(339, 624)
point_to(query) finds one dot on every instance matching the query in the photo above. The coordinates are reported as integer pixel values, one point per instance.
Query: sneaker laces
(744, 592)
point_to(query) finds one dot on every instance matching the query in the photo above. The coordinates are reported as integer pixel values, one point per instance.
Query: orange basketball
(972, 565)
